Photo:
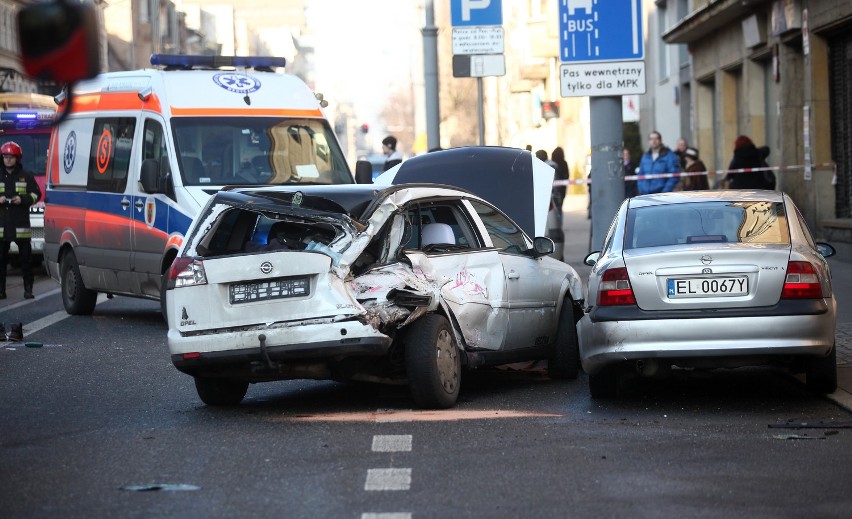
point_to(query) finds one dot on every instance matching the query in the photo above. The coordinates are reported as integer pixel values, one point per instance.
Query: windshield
(258, 151)
(707, 222)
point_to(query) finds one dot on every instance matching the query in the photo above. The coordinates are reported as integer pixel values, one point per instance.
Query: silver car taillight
(186, 272)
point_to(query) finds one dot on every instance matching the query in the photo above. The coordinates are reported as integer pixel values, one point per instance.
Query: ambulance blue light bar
(190, 61)
(25, 116)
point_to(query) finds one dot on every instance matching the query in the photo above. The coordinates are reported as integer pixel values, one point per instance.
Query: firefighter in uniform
(20, 191)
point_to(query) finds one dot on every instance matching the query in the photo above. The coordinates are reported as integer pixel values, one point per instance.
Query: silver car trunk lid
(266, 288)
(717, 276)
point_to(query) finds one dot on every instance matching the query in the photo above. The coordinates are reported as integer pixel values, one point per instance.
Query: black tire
(163, 309)
(564, 361)
(220, 391)
(605, 383)
(821, 373)
(77, 299)
(432, 362)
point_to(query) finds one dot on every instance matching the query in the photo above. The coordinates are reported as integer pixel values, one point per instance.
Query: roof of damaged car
(356, 201)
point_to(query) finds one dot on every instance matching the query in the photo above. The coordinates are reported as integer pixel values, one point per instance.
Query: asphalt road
(97, 423)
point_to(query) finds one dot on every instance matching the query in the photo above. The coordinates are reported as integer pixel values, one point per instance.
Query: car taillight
(186, 272)
(615, 288)
(801, 282)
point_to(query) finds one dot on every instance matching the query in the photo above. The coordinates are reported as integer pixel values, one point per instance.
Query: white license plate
(273, 289)
(707, 287)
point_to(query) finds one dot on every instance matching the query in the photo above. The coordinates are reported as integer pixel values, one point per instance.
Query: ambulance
(138, 154)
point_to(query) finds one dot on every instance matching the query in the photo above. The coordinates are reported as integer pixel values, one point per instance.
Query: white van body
(110, 226)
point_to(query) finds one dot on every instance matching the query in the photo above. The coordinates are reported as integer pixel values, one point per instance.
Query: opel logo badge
(706, 259)
(297, 198)
(266, 267)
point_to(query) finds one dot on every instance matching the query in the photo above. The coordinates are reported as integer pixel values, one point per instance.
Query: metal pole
(480, 111)
(607, 141)
(430, 78)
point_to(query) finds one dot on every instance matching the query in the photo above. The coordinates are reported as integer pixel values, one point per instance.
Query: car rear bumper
(721, 338)
(281, 343)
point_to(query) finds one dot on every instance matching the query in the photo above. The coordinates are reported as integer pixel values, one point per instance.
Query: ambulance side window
(154, 147)
(109, 160)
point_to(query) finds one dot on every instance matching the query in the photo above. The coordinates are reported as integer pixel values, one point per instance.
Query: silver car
(400, 284)
(708, 279)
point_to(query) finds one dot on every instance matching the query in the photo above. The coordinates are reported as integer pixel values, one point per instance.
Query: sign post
(478, 45)
(602, 53)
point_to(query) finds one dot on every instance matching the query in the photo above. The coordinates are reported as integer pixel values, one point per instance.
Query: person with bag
(20, 191)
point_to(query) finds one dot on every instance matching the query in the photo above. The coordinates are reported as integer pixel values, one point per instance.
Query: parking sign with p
(476, 12)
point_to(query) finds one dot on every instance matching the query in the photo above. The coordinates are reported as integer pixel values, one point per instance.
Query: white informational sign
(478, 40)
(602, 79)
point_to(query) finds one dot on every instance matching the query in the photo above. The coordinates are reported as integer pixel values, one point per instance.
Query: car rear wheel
(605, 383)
(432, 362)
(220, 391)
(77, 299)
(564, 361)
(821, 373)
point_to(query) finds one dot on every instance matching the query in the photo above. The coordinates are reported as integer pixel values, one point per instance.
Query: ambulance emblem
(150, 212)
(237, 83)
(70, 153)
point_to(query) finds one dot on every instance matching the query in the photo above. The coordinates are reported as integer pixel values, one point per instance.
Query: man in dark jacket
(20, 191)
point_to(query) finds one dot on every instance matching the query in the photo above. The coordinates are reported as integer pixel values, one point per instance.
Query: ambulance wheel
(220, 391)
(77, 299)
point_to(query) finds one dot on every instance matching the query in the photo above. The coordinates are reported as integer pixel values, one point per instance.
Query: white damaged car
(405, 283)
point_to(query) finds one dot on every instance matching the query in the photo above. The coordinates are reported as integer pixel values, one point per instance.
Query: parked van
(141, 152)
(27, 120)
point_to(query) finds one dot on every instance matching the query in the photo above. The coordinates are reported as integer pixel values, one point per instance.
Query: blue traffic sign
(600, 30)
(464, 13)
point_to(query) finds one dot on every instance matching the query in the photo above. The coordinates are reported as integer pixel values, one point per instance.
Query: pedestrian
(629, 168)
(768, 175)
(20, 191)
(558, 158)
(694, 165)
(658, 159)
(680, 151)
(393, 156)
(746, 155)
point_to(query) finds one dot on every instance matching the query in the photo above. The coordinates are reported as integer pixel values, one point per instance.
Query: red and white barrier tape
(821, 165)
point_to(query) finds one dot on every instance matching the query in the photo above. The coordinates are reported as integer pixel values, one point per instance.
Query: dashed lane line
(44, 322)
(388, 479)
(392, 443)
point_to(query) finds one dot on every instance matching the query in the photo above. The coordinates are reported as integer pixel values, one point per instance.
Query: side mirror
(363, 172)
(149, 176)
(826, 250)
(543, 246)
(592, 258)
(59, 40)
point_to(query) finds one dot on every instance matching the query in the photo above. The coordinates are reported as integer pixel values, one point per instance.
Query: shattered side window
(505, 235)
(459, 231)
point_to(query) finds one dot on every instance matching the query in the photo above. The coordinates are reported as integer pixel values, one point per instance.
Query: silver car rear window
(756, 222)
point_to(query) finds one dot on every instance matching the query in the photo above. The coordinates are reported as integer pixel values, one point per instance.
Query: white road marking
(392, 443)
(25, 302)
(391, 515)
(388, 479)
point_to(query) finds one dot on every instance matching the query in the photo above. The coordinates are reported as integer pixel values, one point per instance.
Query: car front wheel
(564, 361)
(77, 299)
(821, 373)
(433, 362)
(220, 391)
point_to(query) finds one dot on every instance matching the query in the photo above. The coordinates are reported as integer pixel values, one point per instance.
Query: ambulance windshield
(258, 151)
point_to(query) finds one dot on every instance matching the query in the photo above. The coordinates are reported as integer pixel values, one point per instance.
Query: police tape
(820, 165)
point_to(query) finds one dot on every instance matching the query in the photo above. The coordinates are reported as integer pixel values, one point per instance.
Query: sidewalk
(577, 229)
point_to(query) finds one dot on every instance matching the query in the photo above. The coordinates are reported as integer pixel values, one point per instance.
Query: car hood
(513, 180)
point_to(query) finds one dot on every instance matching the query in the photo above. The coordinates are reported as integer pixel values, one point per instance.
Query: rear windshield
(706, 222)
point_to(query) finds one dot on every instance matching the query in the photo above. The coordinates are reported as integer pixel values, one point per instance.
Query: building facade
(778, 71)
